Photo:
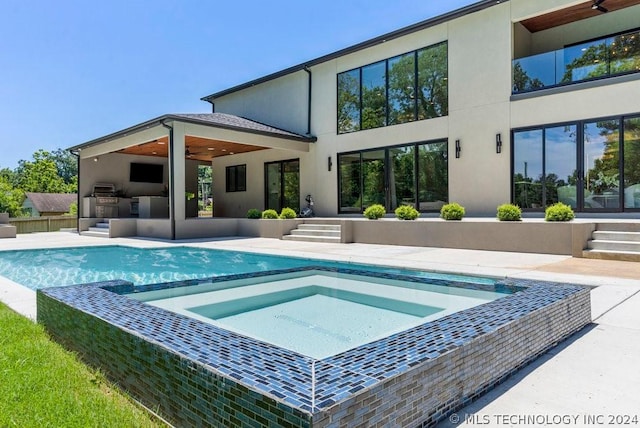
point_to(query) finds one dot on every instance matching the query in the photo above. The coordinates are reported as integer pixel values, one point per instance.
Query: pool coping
(284, 375)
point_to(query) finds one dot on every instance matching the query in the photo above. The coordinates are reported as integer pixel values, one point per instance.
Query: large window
(414, 174)
(408, 87)
(236, 178)
(591, 165)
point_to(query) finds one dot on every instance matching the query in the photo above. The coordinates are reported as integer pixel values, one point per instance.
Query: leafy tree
(10, 198)
(41, 175)
(67, 165)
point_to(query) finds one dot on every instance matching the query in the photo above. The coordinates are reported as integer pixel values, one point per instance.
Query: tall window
(408, 87)
(413, 174)
(236, 178)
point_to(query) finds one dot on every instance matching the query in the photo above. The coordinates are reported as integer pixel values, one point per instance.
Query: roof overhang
(204, 139)
(573, 13)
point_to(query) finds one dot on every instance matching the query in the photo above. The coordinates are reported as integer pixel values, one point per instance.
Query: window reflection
(561, 174)
(402, 88)
(388, 176)
(374, 96)
(408, 87)
(402, 176)
(527, 168)
(632, 163)
(601, 164)
(350, 183)
(608, 56)
(433, 98)
(349, 101)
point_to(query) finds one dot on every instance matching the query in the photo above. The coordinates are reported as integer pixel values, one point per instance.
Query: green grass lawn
(42, 385)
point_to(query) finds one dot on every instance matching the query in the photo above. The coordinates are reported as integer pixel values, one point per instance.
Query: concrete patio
(593, 374)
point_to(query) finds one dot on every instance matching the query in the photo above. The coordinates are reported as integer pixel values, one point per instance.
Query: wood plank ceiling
(202, 149)
(572, 14)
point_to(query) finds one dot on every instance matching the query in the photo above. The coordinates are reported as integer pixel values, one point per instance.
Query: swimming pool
(316, 313)
(45, 268)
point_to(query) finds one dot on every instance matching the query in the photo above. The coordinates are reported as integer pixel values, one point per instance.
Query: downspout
(77, 155)
(308, 70)
(172, 202)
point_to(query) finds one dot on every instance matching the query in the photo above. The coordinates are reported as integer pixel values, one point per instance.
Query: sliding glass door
(591, 165)
(413, 174)
(282, 185)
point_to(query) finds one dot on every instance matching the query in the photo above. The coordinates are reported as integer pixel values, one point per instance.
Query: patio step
(310, 232)
(617, 242)
(100, 230)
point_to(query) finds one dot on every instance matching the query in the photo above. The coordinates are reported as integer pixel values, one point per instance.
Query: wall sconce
(498, 143)
(329, 163)
(458, 149)
(95, 159)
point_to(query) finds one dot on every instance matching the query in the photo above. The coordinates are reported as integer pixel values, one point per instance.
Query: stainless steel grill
(106, 200)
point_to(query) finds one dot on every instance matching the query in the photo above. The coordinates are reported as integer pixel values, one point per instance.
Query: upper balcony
(596, 59)
(550, 53)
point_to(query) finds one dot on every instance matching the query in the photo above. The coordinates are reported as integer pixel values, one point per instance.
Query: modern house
(48, 204)
(530, 102)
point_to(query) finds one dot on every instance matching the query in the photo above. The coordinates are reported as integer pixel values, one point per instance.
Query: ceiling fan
(597, 5)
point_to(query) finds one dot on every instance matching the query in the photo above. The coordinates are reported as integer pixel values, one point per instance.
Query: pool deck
(593, 373)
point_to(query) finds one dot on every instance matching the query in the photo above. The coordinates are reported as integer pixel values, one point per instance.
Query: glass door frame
(281, 201)
(580, 162)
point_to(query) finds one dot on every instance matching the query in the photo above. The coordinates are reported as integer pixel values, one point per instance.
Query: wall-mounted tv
(146, 172)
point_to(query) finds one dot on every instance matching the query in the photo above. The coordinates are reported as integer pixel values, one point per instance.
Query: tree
(10, 198)
(67, 165)
(41, 175)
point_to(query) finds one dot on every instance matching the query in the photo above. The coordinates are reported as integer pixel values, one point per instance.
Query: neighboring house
(530, 102)
(48, 204)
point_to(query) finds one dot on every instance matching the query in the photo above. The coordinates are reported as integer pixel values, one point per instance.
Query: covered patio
(175, 145)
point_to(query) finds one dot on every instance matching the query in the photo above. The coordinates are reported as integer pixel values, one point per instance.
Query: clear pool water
(67, 266)
(316, 313)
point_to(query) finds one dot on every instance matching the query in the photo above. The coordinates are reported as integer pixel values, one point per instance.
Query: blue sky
(75, 70)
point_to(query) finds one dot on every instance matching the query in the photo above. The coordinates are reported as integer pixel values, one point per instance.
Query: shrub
(558, 212)
(509, 212)
(269, 214)
(406, 212)
(254, 213)
(452, 211)
(374, 212)
(288, 213)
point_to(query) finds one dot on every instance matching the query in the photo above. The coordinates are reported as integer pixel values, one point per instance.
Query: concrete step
(619, 227)
(311, 238)
(610, 235)
(621, 246)
(611, 255)
(97, 232)
(316, 226)
(316, 232)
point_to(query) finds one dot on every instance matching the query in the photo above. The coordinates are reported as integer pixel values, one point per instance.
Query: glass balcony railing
(611, 56)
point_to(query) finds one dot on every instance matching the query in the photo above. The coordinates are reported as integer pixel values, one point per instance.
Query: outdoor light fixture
(498, 143)
(95, 159)
(458, 149)
(329, 163)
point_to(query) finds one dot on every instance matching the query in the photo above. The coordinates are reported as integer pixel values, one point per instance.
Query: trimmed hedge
(374, 212)
(559, 212)
(509, 212)
(406, 212)
(452, 211)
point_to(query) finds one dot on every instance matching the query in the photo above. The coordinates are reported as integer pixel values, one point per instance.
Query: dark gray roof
(217, 120)
(231, 121)
(472, 8)
(52, 202)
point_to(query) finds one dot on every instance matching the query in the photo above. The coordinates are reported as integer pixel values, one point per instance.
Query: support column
(178, 183)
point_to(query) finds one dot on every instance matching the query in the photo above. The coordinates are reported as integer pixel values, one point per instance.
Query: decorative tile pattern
(199, 374)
